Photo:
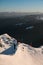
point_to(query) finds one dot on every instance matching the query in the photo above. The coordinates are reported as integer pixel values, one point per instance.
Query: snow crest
(25, 55)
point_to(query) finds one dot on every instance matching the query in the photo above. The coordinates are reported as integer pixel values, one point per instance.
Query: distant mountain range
(16, 14)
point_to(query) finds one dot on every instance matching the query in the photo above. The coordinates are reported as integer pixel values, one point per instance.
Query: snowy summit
(7, 44)
(25, 55)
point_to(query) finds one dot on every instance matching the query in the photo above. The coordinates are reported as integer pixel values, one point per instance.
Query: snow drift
(25, 55)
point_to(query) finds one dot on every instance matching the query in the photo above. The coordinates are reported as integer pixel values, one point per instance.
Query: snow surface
(30, 27)
(7, 43)
(25, 55)
(39, 17)
(19, 24)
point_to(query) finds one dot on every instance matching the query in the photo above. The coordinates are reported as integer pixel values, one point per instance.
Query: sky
(21, 5)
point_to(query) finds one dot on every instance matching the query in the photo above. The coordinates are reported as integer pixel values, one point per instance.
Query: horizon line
(18, 12)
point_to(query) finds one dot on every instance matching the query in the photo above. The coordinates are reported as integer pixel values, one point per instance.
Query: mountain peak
(7, 43)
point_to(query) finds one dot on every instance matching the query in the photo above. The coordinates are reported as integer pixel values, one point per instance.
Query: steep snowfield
(25, 55)
(7, 43)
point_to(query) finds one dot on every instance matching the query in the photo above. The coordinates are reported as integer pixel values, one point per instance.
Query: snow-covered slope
(25, 55)
(7, 43)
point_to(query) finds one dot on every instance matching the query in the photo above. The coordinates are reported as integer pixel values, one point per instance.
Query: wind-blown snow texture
(7, 44)
(25, 55)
